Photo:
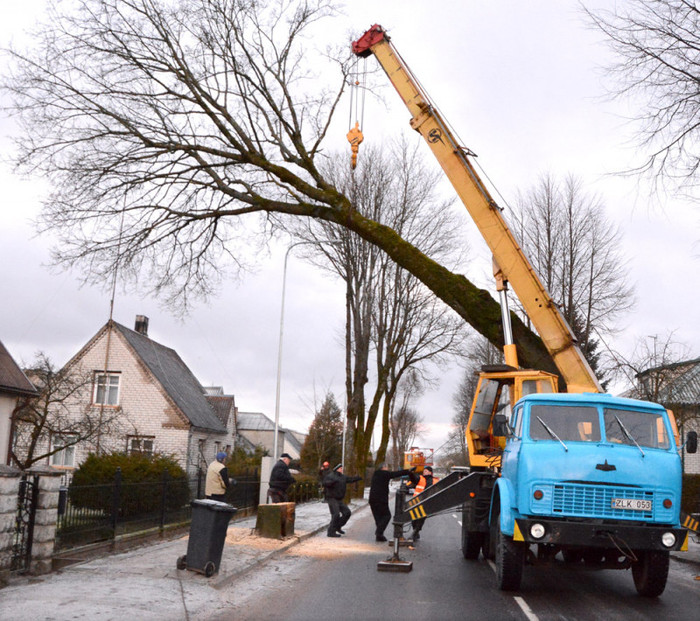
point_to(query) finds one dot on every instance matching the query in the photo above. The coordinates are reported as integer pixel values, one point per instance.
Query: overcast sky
(521, 83)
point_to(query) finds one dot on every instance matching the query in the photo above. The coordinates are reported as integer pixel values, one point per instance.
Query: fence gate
(24, 523)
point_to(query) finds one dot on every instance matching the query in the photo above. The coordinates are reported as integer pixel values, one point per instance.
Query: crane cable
(357, 110)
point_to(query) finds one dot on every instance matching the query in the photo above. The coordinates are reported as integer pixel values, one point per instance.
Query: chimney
(141, 325)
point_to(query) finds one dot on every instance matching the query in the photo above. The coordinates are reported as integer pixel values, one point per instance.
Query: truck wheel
(488, 547)
(471, 543)
(650, 572)
(510, 558)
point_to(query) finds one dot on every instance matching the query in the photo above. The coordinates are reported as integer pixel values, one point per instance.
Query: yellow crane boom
(508, 255)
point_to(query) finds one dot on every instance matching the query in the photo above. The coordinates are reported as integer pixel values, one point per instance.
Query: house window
(106, 389)
(140, 445)
(65, 455)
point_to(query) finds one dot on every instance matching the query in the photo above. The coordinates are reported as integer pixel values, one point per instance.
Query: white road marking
(525, 608)
(527, 611)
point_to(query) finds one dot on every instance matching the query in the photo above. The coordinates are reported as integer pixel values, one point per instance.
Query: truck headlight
(668, 539)
(537, 531)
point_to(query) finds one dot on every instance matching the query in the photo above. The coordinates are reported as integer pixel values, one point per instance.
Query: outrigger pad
(395, 565)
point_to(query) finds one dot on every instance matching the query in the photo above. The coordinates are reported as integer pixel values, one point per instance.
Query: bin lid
(213, 505)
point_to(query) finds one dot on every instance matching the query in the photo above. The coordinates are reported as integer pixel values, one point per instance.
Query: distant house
(259, 430)
(677, 387)
(14, 386)
(156, 402)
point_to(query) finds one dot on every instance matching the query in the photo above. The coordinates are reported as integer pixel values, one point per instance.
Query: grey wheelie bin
(210, 520)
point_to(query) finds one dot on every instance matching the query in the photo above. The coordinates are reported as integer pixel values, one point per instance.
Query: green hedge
(141, 490)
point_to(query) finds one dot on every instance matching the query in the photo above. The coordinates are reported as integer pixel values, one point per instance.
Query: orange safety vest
(420, 486)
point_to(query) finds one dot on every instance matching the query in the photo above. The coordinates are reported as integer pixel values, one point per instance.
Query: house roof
(176, 379)
(222, 405)
(254, 421)
(685, 387)
(292, 438)
(12, 379)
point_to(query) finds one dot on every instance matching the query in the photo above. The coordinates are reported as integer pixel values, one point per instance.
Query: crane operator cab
(499, 387)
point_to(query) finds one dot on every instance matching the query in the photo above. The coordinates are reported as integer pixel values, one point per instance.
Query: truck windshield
(570, 423)
(629, 426)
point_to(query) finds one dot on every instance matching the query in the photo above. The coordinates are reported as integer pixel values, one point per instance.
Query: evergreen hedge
(141, 490)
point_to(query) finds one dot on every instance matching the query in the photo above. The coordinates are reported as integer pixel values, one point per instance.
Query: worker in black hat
(280, 479)
(335, 483)
(379, 496)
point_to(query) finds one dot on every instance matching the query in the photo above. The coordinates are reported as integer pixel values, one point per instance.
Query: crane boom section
(540, 308)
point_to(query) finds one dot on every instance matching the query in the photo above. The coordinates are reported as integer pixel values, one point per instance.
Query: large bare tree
(576, 251)
(657, 66)
(392, 316)
(169, 130)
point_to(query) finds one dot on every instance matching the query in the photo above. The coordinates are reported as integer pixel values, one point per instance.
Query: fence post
(45, 518)
(163, 500)
(9, 490)
(116, 497)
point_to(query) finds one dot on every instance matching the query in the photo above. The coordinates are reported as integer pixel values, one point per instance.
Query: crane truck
(592, 477)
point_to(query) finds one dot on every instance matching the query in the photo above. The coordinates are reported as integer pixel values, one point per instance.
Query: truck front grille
(596, 501)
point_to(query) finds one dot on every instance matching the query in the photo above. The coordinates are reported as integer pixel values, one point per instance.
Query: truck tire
(650, 572)
(471, 543)
(510, 558)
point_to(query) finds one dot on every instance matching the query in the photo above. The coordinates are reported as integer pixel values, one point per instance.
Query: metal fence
(97, 513)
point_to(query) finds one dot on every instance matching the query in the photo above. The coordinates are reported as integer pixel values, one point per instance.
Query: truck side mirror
(691, 442)
(500, 427)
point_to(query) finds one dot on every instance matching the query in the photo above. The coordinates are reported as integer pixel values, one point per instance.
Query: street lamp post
(275, 447)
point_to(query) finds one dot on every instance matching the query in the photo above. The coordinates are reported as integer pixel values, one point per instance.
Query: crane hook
(355, 137)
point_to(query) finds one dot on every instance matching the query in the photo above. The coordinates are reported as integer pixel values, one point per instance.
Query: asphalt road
(337, 579)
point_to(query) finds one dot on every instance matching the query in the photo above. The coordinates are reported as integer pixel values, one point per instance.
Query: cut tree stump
(275, 521)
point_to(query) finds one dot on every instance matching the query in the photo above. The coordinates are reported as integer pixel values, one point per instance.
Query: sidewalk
(144, 583)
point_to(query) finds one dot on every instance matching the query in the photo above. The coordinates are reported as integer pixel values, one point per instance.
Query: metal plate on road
(635, 504)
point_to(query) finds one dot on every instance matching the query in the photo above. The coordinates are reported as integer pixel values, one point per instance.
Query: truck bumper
(599, 535)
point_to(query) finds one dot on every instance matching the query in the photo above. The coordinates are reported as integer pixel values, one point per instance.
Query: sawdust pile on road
(314, 547)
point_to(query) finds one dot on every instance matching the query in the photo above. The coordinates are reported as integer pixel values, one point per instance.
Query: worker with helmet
(425, 480)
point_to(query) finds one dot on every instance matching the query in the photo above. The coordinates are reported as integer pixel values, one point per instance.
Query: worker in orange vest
(426, 480)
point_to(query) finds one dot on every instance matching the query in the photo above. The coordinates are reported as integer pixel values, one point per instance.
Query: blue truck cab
(595, 477)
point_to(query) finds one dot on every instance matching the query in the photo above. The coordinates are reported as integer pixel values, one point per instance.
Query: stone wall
(44, 534)
(9, 488)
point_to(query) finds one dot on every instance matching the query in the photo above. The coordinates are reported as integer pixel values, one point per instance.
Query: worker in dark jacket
(379, 497)
(335, 484)
(280, 479)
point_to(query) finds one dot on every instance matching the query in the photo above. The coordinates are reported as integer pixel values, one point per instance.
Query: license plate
(634, 504)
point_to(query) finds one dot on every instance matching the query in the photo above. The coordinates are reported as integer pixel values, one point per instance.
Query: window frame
(140, 438)
(65, 450)
(106, 387)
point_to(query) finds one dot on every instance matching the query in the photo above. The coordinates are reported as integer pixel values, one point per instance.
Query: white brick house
(160, 405)
(14, 386)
